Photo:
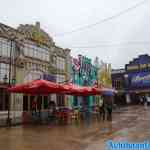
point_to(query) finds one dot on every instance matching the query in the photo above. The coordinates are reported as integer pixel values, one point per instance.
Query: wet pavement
(131, 123)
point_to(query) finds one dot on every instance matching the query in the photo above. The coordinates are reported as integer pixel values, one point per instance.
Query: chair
(75, 115)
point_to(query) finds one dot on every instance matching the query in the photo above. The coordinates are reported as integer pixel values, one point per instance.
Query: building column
(128, 100)
(42, 103)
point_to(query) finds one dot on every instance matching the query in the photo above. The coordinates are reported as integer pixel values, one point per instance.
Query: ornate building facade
(28, 53)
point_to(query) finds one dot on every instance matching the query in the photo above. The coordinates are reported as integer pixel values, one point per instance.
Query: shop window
(37, 52)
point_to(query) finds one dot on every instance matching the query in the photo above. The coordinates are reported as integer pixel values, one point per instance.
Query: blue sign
(49, 77)
(141, 79)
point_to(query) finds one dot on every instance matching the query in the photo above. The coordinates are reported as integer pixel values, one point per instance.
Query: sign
(142, 62)
(35, 33)
(132, 67)
(49, 77)
(33, 75)
(83, 70)
(138, 67)
(75, 64)
(141, 79)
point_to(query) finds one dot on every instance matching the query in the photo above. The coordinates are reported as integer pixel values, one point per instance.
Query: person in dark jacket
(102, 111)
(109, 106)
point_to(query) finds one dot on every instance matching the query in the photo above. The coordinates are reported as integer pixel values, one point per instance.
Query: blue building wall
(138, 73)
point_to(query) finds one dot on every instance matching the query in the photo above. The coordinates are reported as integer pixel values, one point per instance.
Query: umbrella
(72, 89)
(36, 87)
(96, 91)
(108, 91)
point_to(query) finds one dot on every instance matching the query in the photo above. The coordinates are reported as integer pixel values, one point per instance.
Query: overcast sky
(103, 40)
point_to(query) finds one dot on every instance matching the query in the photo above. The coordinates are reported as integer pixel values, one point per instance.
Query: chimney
(37, 25)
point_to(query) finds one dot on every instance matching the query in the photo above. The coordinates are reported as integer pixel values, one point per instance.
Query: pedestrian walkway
(132, 124)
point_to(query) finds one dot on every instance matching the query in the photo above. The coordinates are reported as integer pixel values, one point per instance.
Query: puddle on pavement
(77, 136)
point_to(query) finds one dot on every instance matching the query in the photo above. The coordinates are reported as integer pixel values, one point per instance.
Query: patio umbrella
(72, 89)
(40, 87)
(108, 91)
(96, 91)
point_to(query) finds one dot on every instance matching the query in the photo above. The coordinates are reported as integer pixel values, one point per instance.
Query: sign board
(141, 79)
(33, 75)
(142, 62)
(137, 67)
(49, 77)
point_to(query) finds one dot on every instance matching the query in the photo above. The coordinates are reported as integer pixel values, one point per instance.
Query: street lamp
(13, 80)
(9, 81)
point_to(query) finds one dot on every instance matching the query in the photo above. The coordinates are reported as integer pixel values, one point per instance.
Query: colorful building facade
(83, 73)
(134, 81)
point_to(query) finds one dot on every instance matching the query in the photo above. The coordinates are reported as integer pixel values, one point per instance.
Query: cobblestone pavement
(132, 124)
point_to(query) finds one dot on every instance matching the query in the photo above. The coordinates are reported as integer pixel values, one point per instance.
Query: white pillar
(128, 100)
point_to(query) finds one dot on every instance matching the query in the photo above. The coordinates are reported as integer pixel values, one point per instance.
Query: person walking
(145, 101)
(102, 110)
(34, 104)
(141, 100)
(109, 106)
(148, 100)
(109, 112)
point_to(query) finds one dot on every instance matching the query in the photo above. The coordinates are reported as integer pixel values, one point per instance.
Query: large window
(4, 97)
(4, 70)
(60, 63)
(5, 47)
(60, 78)
(36, 52)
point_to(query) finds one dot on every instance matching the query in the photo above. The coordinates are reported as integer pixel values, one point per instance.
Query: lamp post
(12, 39)
(9, 83)
(5, 82)
(9, 80)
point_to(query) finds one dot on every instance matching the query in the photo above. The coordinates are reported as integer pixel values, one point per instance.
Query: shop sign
(141, 80)
(133, 67)
(138, 67)
(33, 75)
(49, 77)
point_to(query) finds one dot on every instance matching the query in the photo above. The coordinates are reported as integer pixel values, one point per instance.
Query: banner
(141, 79)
